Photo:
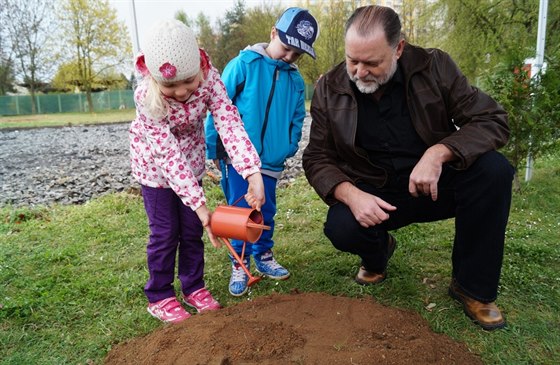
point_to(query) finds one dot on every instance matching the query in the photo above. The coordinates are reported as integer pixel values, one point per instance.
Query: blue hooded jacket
(270, 96)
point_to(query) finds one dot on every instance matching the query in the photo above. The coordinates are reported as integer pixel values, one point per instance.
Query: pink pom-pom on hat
(204, 62)
(140, 65)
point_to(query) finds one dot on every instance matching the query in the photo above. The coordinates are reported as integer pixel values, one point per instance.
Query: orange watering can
(238, 223)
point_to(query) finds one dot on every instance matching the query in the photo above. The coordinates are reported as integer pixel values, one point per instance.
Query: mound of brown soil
(310, 328)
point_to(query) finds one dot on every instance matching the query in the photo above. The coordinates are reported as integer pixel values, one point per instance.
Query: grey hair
(366, 20)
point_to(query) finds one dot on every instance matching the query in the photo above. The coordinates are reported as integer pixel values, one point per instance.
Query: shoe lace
(272, 264)
(238, 274)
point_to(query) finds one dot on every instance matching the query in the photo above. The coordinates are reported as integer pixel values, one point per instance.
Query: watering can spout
(245, 224)
(258, 226)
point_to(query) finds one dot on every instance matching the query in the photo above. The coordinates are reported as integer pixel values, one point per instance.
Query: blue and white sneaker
(239, 279)
(267, 265)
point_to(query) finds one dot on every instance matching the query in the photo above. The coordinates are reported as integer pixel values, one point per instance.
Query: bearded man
(399, 136)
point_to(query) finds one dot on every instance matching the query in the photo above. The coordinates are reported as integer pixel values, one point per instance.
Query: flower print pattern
(170, 152)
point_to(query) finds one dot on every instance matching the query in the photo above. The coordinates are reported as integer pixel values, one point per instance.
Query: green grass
(71, 119)
(71, 277)
(66, 119)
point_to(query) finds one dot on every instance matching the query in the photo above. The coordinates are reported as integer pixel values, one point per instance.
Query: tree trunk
(33, 101)
(516, 183)
(89, 99)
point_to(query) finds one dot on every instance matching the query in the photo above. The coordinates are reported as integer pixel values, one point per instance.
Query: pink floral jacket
(170, 152)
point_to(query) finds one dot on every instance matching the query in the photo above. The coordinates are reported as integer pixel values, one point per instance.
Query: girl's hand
(205, 216)
(255, 192)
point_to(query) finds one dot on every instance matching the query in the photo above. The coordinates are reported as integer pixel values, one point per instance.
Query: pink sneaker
(202, 300)
(168, 310)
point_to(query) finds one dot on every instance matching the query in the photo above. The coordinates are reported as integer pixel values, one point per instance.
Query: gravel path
(71, 165)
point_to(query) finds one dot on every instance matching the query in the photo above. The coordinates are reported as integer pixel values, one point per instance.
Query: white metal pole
(536, 70)
(135, 30)
(541, 34)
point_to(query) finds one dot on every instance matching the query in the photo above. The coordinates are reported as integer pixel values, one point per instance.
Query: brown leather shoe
(365, 277)
(486, 315)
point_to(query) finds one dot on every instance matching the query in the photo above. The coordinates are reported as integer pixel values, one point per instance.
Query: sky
(149, 11)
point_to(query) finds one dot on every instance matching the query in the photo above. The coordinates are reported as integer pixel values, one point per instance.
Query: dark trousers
(175, 232)
(479, 198)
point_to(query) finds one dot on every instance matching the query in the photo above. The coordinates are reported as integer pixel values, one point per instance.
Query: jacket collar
(413, 60)
(257, 51)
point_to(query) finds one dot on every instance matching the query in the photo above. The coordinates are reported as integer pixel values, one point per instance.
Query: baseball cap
(297, 28)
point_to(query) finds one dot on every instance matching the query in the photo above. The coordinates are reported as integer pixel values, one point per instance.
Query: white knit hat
(171, 51)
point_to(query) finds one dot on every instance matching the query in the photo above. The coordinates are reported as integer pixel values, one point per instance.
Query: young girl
(179, 85)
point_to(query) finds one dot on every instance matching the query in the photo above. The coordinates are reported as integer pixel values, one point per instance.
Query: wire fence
(66, 103)
(77, 102)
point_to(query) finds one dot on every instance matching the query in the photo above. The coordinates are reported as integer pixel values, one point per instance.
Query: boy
(268, 90)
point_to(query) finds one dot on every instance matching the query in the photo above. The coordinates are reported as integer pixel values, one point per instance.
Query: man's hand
(425, 175)
(369, 210)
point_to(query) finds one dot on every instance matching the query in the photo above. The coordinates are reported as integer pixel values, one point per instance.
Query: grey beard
(366, 87)
(371, 86)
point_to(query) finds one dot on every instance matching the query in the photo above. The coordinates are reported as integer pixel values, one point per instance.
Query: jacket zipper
(265, 122)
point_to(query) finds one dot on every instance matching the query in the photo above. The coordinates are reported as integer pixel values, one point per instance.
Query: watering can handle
(237, 200)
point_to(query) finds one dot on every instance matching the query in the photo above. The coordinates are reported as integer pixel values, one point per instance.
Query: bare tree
(6, 68)
(29, 26)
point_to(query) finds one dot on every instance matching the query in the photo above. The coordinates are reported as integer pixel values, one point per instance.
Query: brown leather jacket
(444, 108)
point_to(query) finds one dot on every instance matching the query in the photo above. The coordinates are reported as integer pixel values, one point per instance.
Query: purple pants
(174, 228)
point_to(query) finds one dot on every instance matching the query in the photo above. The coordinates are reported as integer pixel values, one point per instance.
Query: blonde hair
(155, 104)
